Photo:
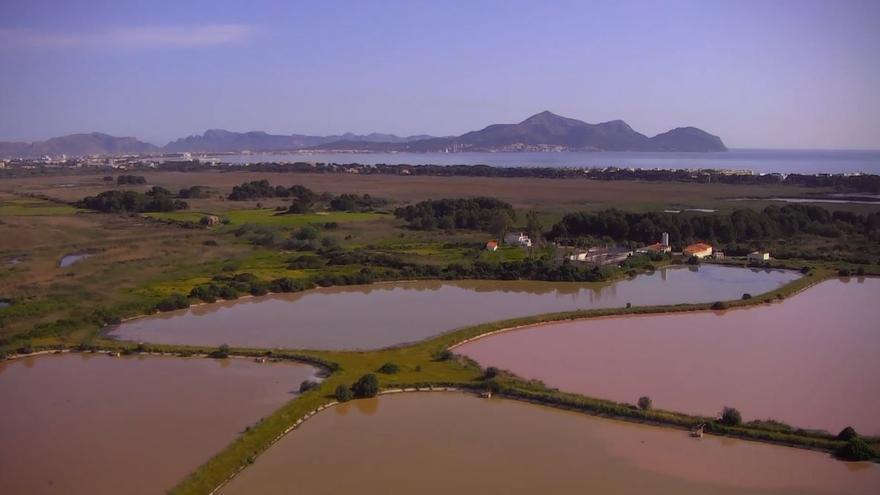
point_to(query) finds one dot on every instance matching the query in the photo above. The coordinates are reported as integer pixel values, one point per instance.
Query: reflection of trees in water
(367, 407)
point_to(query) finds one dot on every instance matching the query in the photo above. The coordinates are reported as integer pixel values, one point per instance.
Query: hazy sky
(799, 74)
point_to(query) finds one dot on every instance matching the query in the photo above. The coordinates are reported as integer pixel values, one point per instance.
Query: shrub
(172, 302)
(222, 352)
(645, 403)
(444, 355)
(720, 305)
(25, 349)
(389, 368)
(259, 289)
(210, 242)
(843, 272)
(366, 386)
(855, 449)
(306, 261)
(491, 372)
(746, 296)
(307, 385)
(343, 393)
(130, 179)
(731, 417)
(847, 434)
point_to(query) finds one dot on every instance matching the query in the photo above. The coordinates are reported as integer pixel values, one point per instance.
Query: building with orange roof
(700, 250)
(492, 246)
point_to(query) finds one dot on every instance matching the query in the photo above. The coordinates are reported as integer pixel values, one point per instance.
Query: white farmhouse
(518, 238)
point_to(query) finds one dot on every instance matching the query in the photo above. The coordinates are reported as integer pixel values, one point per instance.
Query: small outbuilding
(210, 220)
(758, 256)
(492, 246)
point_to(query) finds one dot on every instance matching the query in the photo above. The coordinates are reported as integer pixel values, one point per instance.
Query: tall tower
(664, 238)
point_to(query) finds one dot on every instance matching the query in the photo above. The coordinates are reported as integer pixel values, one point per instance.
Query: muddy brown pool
(810, 361)
(382, 315)
(94, 424)
(440, 443)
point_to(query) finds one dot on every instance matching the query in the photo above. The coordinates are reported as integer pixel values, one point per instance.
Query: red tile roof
(700, 246)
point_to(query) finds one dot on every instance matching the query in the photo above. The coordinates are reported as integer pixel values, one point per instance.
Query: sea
(759, 161)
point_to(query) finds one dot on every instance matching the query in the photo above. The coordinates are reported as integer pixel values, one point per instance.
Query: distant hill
(93, 143)
(543, 131)
(548, 131)
(687, 139)
(219, 140)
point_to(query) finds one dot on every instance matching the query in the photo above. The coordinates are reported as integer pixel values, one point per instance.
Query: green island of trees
(156, 199)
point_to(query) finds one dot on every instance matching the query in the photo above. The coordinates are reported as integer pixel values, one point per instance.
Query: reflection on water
(94, 424)
(362, 406)
(810, 360)
(382, 315)
(437, 443)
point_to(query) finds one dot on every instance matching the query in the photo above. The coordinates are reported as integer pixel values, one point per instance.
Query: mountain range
(543, 131)
(548, 131)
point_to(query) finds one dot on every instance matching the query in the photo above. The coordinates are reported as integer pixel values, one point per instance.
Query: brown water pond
(382, 315)
(811, 361)
(440, 443)
(94, 424)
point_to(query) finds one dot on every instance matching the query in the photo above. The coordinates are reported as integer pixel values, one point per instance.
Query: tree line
(741, 225)
(486, 214)
(865, 183)
(303, 199)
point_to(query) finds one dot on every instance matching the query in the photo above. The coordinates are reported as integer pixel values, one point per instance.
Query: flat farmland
(549, 195)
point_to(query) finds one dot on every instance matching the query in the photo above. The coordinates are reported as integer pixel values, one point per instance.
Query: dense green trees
(740, 225)
(222, 352)
(855, 449)
(847, 434)
(195, 192)
(303, 199)
(534, 227)
(252, 190)
(389, 368)
(131, 179)
(731, 417)
(353, 202)
(172, 302)
(366, 386)
(645, 403)
(487, 214)
(343, 393)
(155, 200)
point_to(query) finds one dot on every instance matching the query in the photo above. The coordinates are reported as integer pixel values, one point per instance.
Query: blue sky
(782, 74)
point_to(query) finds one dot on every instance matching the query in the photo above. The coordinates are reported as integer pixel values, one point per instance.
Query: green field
(268, 216)
(33, 207)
